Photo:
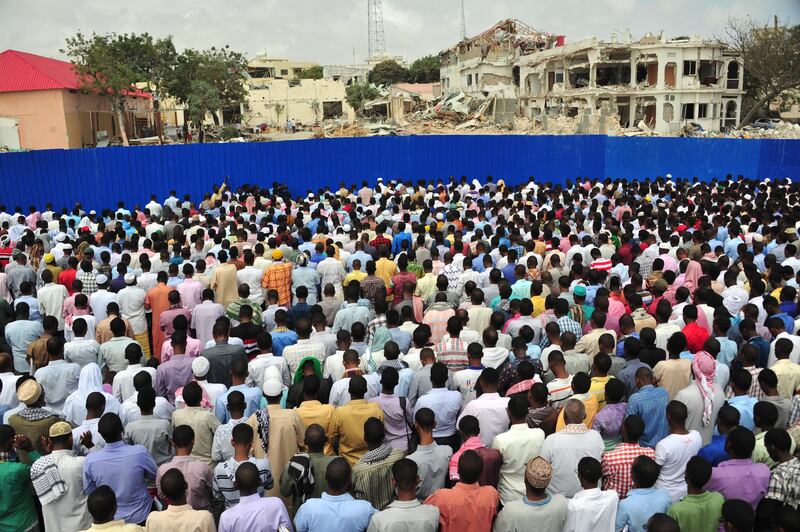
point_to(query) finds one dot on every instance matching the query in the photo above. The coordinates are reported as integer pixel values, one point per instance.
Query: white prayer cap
(200, 366)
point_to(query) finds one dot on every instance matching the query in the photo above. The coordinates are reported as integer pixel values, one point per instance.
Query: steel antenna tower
(463, 22)
(377, 40)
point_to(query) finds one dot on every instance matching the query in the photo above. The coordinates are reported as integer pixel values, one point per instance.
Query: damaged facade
(272, 102)
(656, 84)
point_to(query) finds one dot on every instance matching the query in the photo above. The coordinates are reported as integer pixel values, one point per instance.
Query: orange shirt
(279, 277)
(465, 507)
(157, 300)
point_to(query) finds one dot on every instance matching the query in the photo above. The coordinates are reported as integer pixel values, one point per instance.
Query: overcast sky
(327, 31)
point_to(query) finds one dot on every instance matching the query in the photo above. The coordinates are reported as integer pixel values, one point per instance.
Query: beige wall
(41, 118)
(296, 102)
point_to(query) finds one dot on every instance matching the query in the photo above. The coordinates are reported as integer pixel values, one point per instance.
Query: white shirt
(257, 368)
(251, 276)
(82, 351)
(59, 379)
(672, 454)
(592, 510)
(131, 305)
(465, 381)
(518, 446)
(130, 410)
(51, 301)
(494, 357)
(98, 301)
(122, 385)
(340, 392)
(8, 396)
(334, 366)
(490, 409)
(564, 450)
(68, 512)
(794, 356)
(221, 448)
(88, 425)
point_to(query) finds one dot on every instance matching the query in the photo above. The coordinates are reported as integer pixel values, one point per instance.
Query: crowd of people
(456, 356)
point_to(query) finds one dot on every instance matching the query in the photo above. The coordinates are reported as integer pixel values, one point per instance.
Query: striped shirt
(559, 391)
(650, 403)
(225, 475)
(453, 354)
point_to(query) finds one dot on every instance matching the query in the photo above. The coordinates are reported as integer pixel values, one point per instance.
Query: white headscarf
(90, 381)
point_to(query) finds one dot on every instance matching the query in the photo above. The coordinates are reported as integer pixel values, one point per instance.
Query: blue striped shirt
(650, 404)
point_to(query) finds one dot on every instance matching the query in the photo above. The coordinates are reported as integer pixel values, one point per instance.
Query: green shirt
(17, 511)
(698, 513)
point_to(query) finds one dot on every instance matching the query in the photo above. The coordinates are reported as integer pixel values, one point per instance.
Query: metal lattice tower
(463, 22)
(377, 40)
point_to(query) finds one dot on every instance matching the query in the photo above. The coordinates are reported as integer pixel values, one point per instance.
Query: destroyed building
(659, 84)
(486, 65)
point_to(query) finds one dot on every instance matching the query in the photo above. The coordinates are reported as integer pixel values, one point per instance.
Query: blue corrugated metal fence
(100, 177)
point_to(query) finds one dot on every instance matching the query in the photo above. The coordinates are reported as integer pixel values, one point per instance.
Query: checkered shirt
(617, 464)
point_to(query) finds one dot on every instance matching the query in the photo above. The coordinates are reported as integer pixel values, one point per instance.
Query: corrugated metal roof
(21, 71)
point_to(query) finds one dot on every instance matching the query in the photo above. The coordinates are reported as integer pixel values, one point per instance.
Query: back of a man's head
(470, 467)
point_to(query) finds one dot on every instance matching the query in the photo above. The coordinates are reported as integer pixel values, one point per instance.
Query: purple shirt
(255, 513)
(173, 374)
(126, 470)
(395, 420)
(740, 479)
(608, 421)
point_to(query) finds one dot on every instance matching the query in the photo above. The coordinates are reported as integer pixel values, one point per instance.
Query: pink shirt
(191, 292)
(193, 349)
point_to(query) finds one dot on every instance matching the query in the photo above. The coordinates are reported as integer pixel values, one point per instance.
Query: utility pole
(463, 23)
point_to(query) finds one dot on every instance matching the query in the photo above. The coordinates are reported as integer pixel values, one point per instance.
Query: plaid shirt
(89, 282)
(755, 389)
(565, 324)
(784, 484)
(379, 241)
(645, 265)
(453, 354)
(794, 416)
(373, 325)
(279, 277)
(373, 287)
(617, 464)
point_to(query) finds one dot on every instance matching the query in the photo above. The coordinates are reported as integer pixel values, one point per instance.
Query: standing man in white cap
(100, 299)
(58, 481)
(210, 391)
(131, 301)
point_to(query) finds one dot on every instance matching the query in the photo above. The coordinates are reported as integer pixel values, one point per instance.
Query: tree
(110, 65)
(388, 73)
(771, 59)
(425, 69)
(202, 98)
(221, 69)
(314, 72)
(359, 93)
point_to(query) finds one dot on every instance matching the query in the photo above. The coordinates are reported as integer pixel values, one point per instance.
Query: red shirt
(696, 337)
(66, 278)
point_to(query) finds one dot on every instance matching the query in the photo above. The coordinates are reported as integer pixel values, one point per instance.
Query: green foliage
(357, 94)
(425, 69)
(389, 73)
(202, 98)
(229, 132)
(314, 72)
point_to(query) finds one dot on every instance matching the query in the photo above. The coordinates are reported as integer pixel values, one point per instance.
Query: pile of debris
(339, 128)
(781, 130)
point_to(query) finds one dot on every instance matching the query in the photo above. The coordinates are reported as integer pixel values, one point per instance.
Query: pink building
(43, 95)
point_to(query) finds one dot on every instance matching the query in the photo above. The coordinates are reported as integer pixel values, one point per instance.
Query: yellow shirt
(598, 389)
(426, 286)
(311, 412)
(591, 405)
(355, 275)
(788, 374)
(538, 305)
(348, 426)
(384, 269)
